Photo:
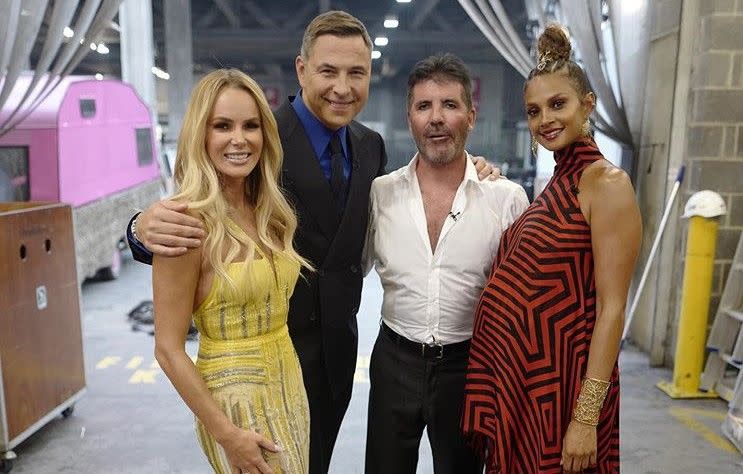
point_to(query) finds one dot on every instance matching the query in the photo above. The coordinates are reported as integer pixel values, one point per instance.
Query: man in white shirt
(433, 233)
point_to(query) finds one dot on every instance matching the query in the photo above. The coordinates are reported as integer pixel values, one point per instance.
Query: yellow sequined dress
(249, 364)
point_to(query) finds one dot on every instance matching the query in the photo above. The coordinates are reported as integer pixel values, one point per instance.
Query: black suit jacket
(332, 241)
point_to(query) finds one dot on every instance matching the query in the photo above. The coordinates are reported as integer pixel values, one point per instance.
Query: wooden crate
(41, 354)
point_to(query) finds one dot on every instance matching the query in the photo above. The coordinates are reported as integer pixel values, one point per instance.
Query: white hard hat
(705, 204)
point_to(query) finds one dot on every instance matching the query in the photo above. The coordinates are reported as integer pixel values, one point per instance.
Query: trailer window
(144, 146)
(14, 183)
(87, 108)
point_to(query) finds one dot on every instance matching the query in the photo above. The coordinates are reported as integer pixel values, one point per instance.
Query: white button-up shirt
(431, 296)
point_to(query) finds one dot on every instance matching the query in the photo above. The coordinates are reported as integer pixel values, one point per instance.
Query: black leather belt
(429, 351)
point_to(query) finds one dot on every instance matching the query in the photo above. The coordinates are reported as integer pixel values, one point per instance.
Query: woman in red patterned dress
(542, 392)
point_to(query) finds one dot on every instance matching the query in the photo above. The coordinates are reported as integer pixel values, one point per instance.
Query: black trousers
(411, 391)
(326, 411)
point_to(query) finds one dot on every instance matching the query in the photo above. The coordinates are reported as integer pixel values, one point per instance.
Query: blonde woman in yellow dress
(245, 388)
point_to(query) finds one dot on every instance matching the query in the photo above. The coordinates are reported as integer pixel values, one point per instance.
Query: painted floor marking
(134, 362)
(107, 362)
(690, 418)
(146, 372)
(143, 376)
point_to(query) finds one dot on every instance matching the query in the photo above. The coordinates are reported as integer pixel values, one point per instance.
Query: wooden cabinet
(41, 355)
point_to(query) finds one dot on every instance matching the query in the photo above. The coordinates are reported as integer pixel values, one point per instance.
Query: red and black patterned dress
(532, 333)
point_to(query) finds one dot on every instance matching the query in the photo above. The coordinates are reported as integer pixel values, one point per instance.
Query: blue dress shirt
(320, 136)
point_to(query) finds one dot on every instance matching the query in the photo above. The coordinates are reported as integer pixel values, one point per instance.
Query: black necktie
(337, 177)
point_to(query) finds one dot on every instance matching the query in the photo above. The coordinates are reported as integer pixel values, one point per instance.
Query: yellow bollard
(703, 210)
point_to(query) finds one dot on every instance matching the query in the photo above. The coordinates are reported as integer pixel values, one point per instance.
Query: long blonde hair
(198, 182)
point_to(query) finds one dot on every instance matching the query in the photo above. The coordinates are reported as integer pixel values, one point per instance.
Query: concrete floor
(132, 421)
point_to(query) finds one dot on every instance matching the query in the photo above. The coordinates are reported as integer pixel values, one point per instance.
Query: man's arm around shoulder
(165, 229)
(139, 251)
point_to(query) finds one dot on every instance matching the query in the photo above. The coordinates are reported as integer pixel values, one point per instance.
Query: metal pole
(653, 250)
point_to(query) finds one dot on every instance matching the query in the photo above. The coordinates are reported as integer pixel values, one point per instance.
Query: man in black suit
(330, 161)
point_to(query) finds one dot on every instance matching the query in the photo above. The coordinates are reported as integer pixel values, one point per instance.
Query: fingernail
(279, 447)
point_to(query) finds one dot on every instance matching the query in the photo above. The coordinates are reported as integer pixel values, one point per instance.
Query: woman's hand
(244, 450)
(578, 447)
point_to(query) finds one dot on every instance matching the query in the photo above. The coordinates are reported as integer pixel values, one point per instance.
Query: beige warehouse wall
(693, 116)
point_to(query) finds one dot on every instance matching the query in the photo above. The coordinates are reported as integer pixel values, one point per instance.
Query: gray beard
(439, 159)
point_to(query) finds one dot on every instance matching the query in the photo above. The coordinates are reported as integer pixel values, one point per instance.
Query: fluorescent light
(391, 21)
(93, 46)
(68, 32)
(376, 54)
(160, 73)
(633, 6)
(404, 1)
(99, 76)
(381, 41)
(102, 48)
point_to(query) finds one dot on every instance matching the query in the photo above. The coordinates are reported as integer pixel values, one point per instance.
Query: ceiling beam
(443, 23)
(282, 46)
(228, 12)
(258, 13)
(243, 37)
(471, 50)
(207, 19)
(298, 19)
(422, 12)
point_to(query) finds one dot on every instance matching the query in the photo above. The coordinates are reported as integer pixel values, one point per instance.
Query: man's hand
(166, 230)
(485, 169)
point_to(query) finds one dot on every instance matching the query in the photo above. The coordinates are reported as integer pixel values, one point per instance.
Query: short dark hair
(447, 67)
(336, 23)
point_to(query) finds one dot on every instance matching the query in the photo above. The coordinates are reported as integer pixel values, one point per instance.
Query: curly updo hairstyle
(553, 56)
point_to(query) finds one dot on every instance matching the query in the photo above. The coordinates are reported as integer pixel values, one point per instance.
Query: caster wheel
(68, 411)
(6, 465)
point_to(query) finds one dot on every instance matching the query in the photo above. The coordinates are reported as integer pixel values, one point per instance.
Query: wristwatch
(134, 229)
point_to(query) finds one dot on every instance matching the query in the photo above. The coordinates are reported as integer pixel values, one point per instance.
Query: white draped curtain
(492, 20)
(20, 25)
(615, 62)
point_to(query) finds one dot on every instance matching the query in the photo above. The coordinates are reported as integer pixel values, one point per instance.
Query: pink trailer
(89, 144)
